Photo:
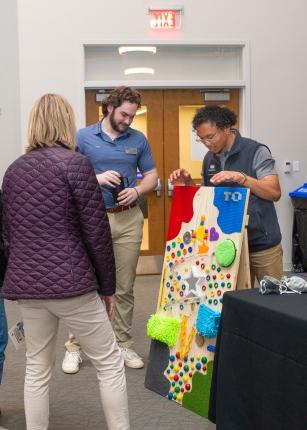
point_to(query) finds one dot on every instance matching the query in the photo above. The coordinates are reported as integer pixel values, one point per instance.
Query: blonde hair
(51, 121)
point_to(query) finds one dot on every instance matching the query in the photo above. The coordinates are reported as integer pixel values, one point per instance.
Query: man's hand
(267, 188)
(110, 177)
(127, 196)
(110, 304)
(228, 176)
(181, 176)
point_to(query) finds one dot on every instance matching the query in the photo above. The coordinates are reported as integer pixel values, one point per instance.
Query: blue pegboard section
(207, 321)
(230, 202)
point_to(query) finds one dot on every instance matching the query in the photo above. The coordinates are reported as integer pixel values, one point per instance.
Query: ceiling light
(124, 49)
(134, 70)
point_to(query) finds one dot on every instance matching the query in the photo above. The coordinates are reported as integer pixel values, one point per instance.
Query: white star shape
(192, 283)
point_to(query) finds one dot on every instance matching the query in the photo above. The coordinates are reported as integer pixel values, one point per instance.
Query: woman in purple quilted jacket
(60, 260)
(3, 321)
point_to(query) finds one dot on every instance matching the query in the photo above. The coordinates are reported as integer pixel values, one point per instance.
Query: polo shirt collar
(98, 130)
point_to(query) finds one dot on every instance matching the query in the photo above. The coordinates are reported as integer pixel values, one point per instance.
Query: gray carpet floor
(74, 399)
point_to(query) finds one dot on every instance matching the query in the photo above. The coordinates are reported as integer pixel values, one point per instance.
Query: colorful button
(187, 237)
(210, 348)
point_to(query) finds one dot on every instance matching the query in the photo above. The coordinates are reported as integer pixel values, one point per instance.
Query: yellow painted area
(200, 233)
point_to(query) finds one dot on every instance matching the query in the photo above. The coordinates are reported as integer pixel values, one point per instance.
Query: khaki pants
(267, 262)
(127, 233)
(86, 317)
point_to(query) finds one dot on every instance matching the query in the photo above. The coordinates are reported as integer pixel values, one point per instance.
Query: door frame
(243, 84)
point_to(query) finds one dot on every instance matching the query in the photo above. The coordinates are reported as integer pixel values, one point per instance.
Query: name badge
(132, 151)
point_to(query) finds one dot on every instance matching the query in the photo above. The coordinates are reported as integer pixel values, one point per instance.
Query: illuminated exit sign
(165, 18)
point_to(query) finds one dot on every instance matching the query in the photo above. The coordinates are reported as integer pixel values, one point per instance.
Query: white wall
(9, 85)
(50, 35)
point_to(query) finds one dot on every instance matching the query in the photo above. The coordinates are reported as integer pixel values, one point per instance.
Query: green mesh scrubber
(164, 329)
(225, 253)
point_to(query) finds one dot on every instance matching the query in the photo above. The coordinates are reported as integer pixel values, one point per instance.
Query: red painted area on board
(182, 209)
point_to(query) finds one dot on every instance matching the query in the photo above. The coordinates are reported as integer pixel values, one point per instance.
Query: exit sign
(164, 19)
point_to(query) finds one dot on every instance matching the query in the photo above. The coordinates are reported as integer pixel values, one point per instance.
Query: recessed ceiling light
(134, 70)
(124, 49)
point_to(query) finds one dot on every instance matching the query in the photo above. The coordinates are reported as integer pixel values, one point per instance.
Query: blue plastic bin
(300, 192)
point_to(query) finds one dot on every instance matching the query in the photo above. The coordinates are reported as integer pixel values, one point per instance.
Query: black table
(260, 369)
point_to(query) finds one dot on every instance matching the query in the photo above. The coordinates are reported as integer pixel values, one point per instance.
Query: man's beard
(116, 126)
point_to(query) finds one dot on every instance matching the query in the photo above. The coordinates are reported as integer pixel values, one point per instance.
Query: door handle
(158, 188)
(170, 188)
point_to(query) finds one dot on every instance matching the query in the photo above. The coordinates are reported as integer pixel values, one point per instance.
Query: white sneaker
(71, 362)
(131, 358)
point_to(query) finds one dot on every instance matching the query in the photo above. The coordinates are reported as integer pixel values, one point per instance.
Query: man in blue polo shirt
(116, 152)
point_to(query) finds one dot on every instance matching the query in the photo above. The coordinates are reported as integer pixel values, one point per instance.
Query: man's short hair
(221, 117)
(120, 95)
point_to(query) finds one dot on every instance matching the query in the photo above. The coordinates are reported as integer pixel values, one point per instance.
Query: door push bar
(170, 188)
(158, 188)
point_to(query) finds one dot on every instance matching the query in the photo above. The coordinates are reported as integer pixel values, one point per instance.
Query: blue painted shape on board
(230, 202)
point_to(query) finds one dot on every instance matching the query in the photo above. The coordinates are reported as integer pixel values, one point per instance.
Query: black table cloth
(260, 370)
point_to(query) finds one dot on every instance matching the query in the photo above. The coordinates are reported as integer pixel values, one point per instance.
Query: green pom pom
(225, 253)
(164, 329)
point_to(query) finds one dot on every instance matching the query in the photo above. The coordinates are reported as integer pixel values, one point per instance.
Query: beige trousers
(127, 233)
(267, 262)
(86, 317)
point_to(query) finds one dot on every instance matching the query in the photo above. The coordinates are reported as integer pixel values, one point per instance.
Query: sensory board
(205, 256)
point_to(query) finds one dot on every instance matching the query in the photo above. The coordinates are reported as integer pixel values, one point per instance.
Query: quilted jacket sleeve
(94, 221)
(2, 252)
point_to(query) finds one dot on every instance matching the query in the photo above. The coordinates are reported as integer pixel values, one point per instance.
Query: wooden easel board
(201, 218)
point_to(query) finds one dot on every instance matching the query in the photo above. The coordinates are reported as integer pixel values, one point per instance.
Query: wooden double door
(165, 118)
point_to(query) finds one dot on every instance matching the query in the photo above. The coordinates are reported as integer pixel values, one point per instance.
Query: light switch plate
(295, 165)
